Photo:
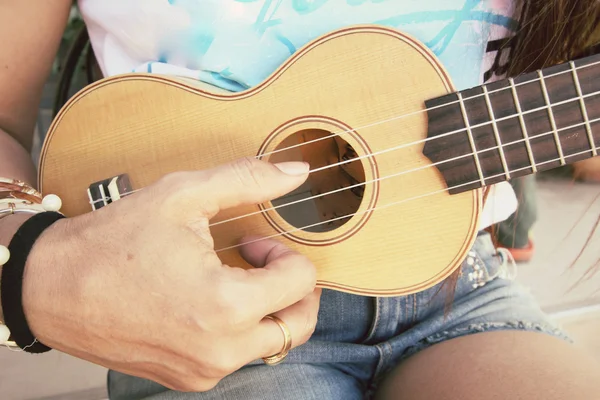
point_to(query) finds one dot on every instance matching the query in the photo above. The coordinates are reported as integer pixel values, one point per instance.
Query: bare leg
(496, 365)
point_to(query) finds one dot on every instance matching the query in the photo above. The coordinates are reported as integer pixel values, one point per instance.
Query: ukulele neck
(514, 127)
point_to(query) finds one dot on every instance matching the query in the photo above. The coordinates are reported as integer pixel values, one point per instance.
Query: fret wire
(496, 134)
(523, 126)
(519, 114)
(404, 172)
(339, 133)
(588, 128)
(551, 116)
(471, 140)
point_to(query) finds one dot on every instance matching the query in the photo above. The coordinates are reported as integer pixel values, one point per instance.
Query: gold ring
(287, 343)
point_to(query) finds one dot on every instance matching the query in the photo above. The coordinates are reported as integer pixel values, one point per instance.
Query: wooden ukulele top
(400, 232)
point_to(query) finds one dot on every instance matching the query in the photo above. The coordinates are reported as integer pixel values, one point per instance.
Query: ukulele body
(363, 86)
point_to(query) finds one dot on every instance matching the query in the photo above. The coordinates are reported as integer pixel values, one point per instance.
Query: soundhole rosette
(341, 192)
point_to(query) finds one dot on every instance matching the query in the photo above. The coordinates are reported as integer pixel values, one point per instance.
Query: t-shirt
(236, 44)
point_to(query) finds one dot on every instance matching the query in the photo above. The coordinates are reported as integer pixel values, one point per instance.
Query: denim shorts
(359, 339)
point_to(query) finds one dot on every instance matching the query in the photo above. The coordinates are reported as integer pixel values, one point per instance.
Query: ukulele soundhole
(336, 198)
(332, 194)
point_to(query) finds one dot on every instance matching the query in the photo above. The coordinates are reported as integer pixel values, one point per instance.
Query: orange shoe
(522, 254)
(519, 254)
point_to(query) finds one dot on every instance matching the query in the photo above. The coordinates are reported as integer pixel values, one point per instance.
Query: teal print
(236, 44)
(307, 6)
(360, 2)
(262, 21)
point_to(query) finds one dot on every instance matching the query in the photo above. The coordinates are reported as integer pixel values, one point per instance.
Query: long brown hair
(552, 32)
(549, 32)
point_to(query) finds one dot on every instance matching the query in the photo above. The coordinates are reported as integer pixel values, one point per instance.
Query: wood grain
(363, 78)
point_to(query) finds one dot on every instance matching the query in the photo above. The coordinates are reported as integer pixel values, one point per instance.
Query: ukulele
(400, 160)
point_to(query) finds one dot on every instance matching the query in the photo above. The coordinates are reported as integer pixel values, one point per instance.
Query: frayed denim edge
(483, 327)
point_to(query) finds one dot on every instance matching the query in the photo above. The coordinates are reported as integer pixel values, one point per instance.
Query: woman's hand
(137, 286)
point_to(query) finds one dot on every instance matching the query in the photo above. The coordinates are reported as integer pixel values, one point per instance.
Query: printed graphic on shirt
(235, 44)
(501, 50)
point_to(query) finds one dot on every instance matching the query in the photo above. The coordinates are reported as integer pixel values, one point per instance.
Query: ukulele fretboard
(514, 127)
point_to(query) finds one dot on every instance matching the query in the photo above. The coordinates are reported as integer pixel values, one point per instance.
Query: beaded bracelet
(18, 197)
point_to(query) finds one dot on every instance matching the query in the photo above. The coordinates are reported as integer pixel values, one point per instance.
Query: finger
(259, 251)
(283, 276)
(247, 181)
(267, 339)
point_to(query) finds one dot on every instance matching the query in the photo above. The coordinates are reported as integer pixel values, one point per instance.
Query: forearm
(15, 161)
(25, 65)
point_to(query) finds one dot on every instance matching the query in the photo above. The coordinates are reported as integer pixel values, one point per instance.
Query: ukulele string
(489, 92)
(404, 173)
(340, 133)
(420, 141)
(393, 203)
(461, 130)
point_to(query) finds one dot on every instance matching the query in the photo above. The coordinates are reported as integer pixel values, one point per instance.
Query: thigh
(496, 365)
(256, 382)
(494, 342)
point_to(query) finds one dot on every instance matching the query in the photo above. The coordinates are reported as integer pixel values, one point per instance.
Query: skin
(133, 292)
(139, 294)
(212, 308)
(496, 366)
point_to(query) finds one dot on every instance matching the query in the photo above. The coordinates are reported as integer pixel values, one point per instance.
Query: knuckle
(218, 362)
(247, 171)
(201, 227)
(176, 191)
(230, 311)
(309, 269)
(238, 314)
(226, 364)
(172, 180)
(224, 306)
(209, 368)
(305, 271)
(169, 188)
(281, 251)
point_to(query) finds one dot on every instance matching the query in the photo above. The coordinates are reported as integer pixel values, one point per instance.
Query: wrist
(48, 281)
(24, 216)
(14, 281)
(8, 227)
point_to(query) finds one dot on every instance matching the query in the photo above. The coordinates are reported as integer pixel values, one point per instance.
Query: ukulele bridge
(107, 191)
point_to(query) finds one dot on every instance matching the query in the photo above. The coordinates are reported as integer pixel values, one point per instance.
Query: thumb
(248, 181)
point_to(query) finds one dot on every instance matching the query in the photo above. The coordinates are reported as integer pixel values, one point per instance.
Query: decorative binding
(11, 285)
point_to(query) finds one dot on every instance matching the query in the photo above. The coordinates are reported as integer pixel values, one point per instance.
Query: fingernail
(293, 167)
